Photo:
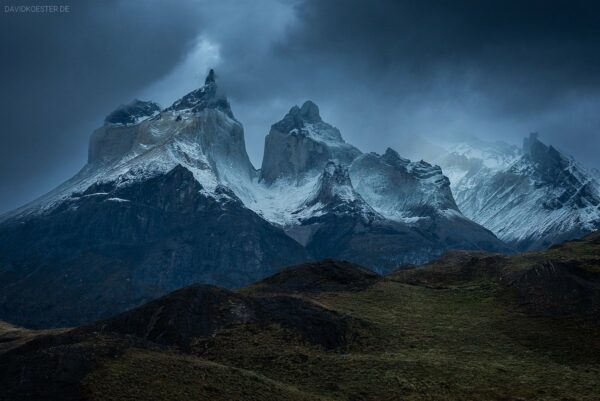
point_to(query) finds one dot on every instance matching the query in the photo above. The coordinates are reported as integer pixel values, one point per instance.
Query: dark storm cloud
(61, 73)
(542, 49)
(384, 72)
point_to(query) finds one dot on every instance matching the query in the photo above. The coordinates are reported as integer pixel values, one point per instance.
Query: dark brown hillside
(469, 326)
(202, 311)
(313, 277)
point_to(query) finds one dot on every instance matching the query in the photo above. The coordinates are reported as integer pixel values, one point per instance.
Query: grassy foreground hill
(470, 326)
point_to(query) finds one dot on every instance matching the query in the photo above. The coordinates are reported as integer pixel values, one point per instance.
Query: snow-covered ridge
(473, 154)
(334, 193)
(402, 190)
(132, 113)
(207, 141)
(530, 195)
(306, 121)
(533, 198)
(308, 170)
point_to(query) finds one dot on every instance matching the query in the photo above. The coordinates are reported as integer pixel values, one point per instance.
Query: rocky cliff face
(402, 190)
(151, 211)
(531, 199)
(300, 144)
(113, 246)
(169, 197)
(417, 196)
(132, 113)
(204, 138)
(207, 97)
(335, 194)
(336, 221)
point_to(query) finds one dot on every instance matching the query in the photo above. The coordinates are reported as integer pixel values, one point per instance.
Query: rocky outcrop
(132, 113)
(334, 194)
(402, 190)
(302, 143)
(207, 97)
(118, 134)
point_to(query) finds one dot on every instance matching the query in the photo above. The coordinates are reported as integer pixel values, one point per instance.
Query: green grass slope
(470, 326)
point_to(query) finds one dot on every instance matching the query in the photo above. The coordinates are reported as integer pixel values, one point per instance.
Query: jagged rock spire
(310, 112)
(210, 78)
(206, 97)
(531, 142)
(334, 194)
(334, 181)
(302, 143)
(549, 162)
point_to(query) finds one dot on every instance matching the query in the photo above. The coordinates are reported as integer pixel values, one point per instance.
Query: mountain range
(530, 197)
(169, 198)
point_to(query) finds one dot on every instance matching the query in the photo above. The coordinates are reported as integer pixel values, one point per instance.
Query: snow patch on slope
(402, 190)
(535, 196)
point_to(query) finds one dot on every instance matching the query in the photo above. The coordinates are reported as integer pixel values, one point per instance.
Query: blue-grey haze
(385, 72)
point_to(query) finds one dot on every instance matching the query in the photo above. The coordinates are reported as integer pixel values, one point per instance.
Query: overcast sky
(384, 72)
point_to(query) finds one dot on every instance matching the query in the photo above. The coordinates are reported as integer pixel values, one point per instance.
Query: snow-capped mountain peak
(390, 156)
(334, 193)
(306, 121)
(334, 184)
(132, 113)
(301, 144)
(402, 190)
(533, 199)
(207, 97)
(323, 192)
(198, 132)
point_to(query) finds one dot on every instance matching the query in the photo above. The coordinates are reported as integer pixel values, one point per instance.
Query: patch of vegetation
(584, 253)
(150, 375)
(431, 344)
(470, 326)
